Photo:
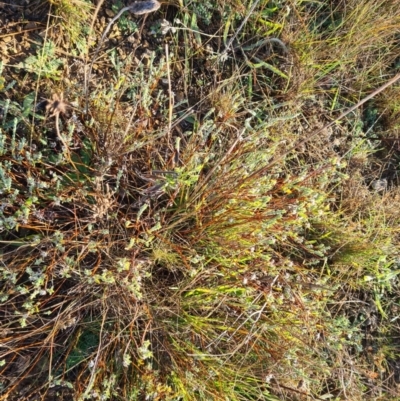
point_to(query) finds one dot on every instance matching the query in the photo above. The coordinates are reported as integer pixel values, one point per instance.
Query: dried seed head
(56, 105)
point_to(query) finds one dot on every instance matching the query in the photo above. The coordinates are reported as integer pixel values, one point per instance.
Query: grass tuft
(194, 226)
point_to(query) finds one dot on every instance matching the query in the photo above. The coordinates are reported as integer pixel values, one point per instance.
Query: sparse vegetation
(202, 232)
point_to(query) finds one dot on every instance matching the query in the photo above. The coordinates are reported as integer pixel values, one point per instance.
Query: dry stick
(344, 114)
(171, 106)
(87, 78)
(228, 45)
(138, 8)
(95, 16)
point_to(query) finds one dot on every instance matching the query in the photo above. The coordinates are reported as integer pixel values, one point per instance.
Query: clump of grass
(200, 248)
